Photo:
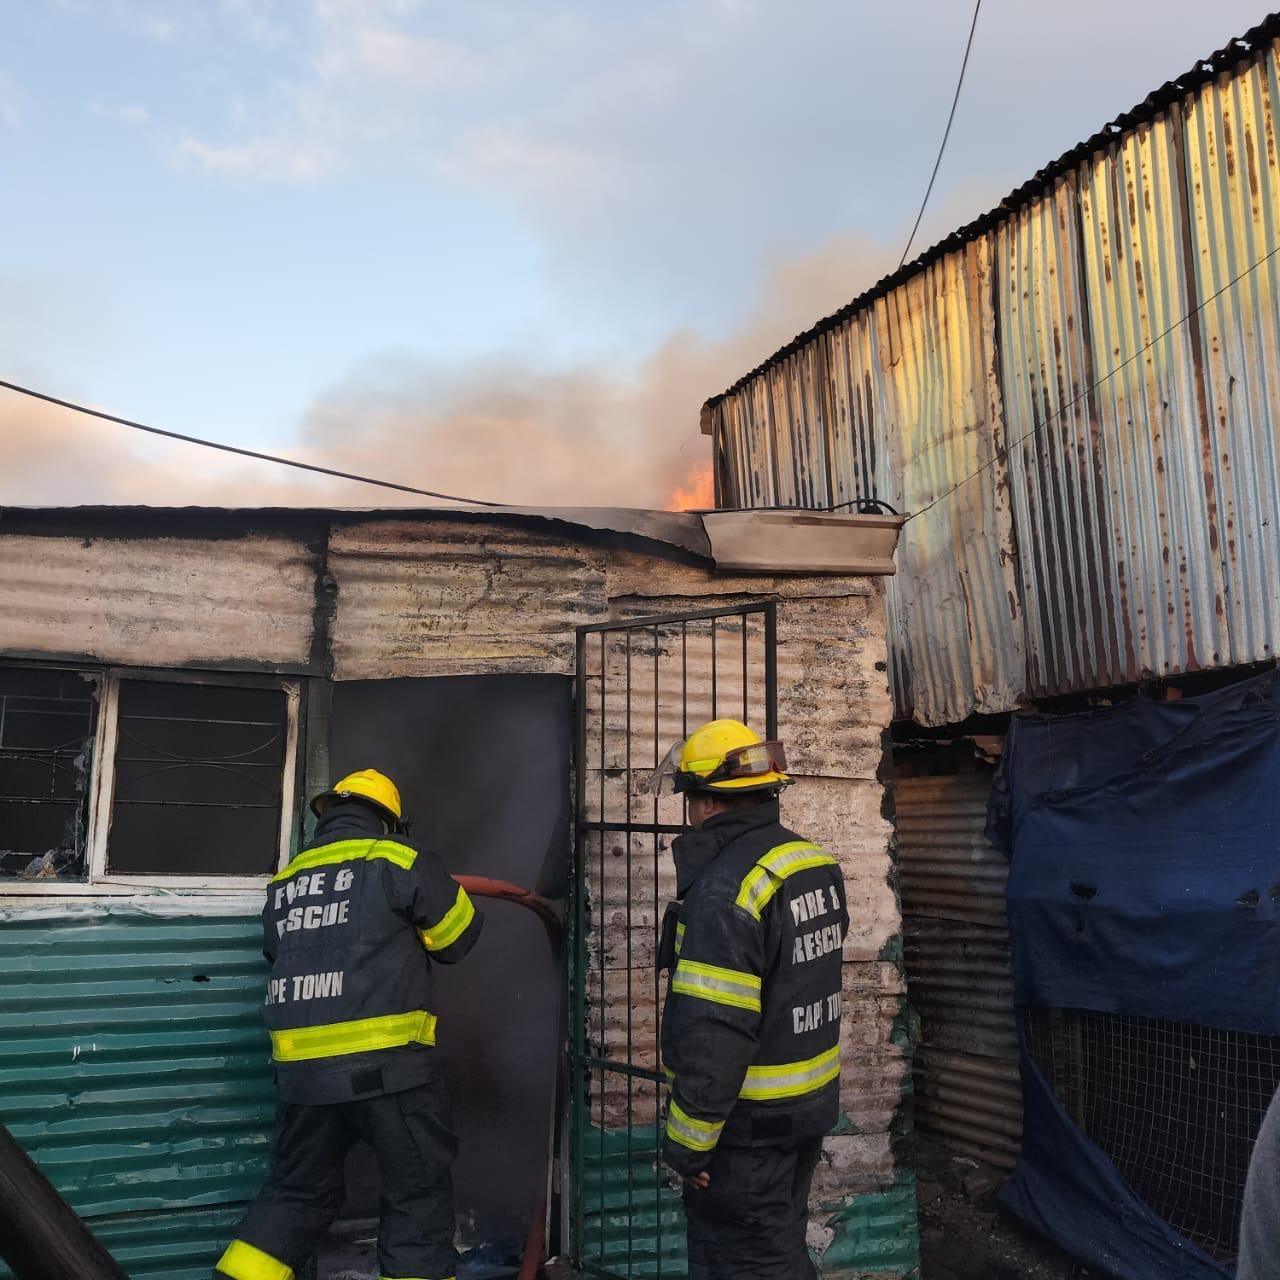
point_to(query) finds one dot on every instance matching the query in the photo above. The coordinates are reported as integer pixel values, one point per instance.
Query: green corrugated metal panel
(876, 1234)
(633, 1222)
(628, 1210)
(170, 1246)
(133, 1060)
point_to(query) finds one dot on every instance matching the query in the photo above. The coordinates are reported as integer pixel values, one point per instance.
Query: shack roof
(681, 530)
(1203, 71)
(783, 541)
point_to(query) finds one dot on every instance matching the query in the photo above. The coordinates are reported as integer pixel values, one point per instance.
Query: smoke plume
(502, 428)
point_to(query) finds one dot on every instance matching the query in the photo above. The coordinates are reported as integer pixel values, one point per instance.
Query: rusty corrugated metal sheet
(1230, 132)
(439, 597)
(134, 1069)
(1082, 366)
(959, 981)
(947, 421)
(159, 601)
(1108, 500)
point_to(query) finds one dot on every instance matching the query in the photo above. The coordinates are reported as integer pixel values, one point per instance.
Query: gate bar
(586, 1063)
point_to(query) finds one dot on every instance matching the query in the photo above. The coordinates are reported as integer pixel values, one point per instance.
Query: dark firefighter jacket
(751, 1028)
(352, 927)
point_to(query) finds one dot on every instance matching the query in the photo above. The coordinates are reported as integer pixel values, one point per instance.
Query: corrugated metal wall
(959, 981)
(134, 1070)
(634, 1222)
(1081, 364)
(159, 601)
(172, 1246)
(435, 597)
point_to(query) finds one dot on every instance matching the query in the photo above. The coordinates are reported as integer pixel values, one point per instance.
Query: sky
(500, 248)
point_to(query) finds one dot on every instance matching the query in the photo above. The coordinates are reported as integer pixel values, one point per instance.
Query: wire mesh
(1175, 1106)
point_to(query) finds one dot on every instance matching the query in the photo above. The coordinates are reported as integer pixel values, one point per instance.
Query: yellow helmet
(724, 755)
(369, 785)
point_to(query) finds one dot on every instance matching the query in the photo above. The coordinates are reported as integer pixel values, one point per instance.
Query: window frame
(98, 677)
(99, 881)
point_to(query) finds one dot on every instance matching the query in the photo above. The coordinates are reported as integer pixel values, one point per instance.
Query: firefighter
(353, 927)
(751, 1027)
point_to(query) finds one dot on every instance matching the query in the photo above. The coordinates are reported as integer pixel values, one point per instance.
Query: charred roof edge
(677, 534)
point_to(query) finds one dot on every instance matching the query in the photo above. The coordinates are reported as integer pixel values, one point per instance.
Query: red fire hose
(483, 887)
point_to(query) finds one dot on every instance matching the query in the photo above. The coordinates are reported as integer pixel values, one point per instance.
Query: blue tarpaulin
(1144, 880)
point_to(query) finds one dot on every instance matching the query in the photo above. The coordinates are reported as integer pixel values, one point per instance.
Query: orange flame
(696, 493)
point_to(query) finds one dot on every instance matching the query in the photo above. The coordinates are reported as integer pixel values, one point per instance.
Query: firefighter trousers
(414, 1144)
(750, 1223)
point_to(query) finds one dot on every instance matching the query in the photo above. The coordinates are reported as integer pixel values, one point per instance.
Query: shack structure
(1077, 398)
(174, 683)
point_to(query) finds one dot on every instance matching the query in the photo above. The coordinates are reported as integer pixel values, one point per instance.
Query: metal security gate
(643, 684)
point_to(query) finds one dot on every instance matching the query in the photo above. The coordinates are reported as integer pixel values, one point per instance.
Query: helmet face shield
(662, 781)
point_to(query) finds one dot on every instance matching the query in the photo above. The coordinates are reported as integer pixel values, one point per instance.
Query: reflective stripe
(365, 1034)
(782, 861)
(697, 1135)
(242, 1261)
(349, 851)
(679, 938)
(452, 927)
(792, 1079)
(721, 986)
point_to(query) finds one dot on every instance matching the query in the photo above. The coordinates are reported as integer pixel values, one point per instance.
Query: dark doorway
(483, 765)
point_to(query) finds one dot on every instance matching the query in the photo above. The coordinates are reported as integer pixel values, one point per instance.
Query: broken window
(198, 786)
(47, 723)
(181, 781)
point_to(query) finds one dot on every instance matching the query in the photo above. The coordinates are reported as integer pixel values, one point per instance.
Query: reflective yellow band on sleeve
(733, 987)
(697, 1135)
(349, 851)
(791, 1079)
(767, 876)
(679, 938)
(452, 927)
(242, 1261)
(361, 1036)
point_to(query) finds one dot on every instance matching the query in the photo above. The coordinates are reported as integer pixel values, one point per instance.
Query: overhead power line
(244, 453)
(1093, 386)
(937, 164)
